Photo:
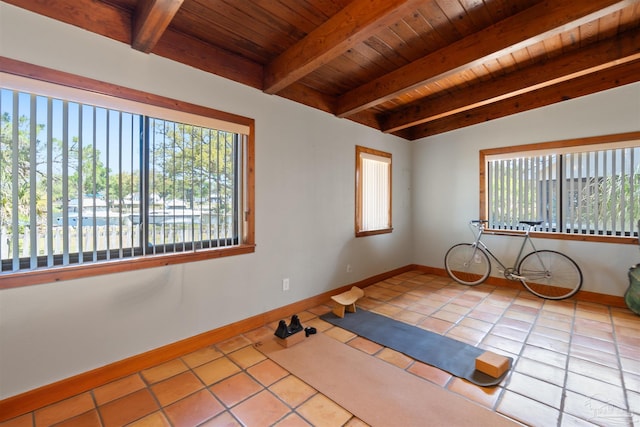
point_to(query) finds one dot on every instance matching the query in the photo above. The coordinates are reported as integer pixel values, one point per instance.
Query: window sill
(49, 275)
(602, 238)
(373, 232)
(586, 237)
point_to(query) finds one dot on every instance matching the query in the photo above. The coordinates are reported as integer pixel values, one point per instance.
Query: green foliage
(94, 172)
(187, 162)
(18, 181)
(191, 162)
(607, 203)
(610, 199)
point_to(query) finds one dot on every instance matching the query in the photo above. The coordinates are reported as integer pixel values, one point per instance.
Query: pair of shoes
(283, 331)
(309, 331)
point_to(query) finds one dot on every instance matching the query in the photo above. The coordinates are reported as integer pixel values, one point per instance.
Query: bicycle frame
(479, 243)
(546, 273)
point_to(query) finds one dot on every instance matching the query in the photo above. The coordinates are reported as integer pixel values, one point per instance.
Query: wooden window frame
(359, 232)
(50, 275)
(591, 142)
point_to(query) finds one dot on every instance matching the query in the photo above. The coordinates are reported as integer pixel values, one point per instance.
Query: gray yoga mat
(450, 355)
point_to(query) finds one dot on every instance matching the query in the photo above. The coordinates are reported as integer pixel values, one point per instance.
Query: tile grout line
(292, 409)
(155, 398)
(520, 355)
(227, 408)
(566, 365)
(190, 369)
(442, 306)
(618, 363)
(620, 367)
(507, 379)
(486, 334)
(96, 406)
(483, 299)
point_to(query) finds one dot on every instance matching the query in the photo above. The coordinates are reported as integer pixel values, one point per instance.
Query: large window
(88, 178)
(373, 191)
(585, 187)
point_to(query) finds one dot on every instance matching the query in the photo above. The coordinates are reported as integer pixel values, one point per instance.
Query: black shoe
(295, 325)
(309, 331)
(282, 331)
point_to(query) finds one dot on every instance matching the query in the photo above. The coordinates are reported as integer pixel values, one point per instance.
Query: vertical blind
(579, 192)
(523, 188)
(82, 183)
(376, 192)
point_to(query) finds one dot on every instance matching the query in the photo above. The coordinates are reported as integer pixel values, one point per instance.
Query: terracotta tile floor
(576, 364)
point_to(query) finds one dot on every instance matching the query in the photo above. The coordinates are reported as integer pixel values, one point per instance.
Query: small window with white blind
(585, 187)
(87, 178)
(373, 192)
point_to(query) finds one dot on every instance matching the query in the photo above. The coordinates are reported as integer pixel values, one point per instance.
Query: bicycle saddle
(531, 223)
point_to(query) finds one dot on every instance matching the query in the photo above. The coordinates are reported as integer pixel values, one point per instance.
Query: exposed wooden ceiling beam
(591, 83)
(206, 57)
(115, 23)
(357, 22)
(528, 27)
(94, 16)
(310, 97)
(594, 58)
(150, 20)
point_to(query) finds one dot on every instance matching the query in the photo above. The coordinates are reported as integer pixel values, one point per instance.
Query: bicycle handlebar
(529, 223)
(480, 225)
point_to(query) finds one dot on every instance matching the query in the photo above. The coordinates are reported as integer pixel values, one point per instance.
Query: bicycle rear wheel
(550, 274)
(467, 264)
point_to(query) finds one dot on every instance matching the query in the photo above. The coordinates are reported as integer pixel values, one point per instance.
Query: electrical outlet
(349, 270)
(285, 284)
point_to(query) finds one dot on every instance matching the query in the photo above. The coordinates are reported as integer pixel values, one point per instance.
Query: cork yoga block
(492, 364)
(291, 339)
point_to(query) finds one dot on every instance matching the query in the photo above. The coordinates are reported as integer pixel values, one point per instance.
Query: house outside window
(584, 187)
(373, 192)
(87, 178)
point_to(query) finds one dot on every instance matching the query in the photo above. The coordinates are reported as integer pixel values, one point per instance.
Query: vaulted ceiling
(412, 68)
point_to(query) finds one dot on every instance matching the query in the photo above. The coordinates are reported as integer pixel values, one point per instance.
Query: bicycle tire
(550, 274)
(467, 264)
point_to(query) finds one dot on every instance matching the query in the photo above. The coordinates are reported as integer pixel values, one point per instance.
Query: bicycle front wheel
(467, 264)
(550, 274)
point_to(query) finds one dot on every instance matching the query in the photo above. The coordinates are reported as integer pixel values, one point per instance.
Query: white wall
(442, 212)
(304, 221)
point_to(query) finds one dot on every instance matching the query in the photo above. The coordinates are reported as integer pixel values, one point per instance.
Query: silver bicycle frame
(479, 244)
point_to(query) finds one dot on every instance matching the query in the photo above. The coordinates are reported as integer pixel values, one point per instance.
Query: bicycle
(545, 273)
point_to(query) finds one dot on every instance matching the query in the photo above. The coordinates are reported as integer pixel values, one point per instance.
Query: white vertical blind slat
(15, 174)
(33, 202)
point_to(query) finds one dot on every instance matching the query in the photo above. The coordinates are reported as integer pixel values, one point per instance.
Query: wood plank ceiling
(413, 68)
